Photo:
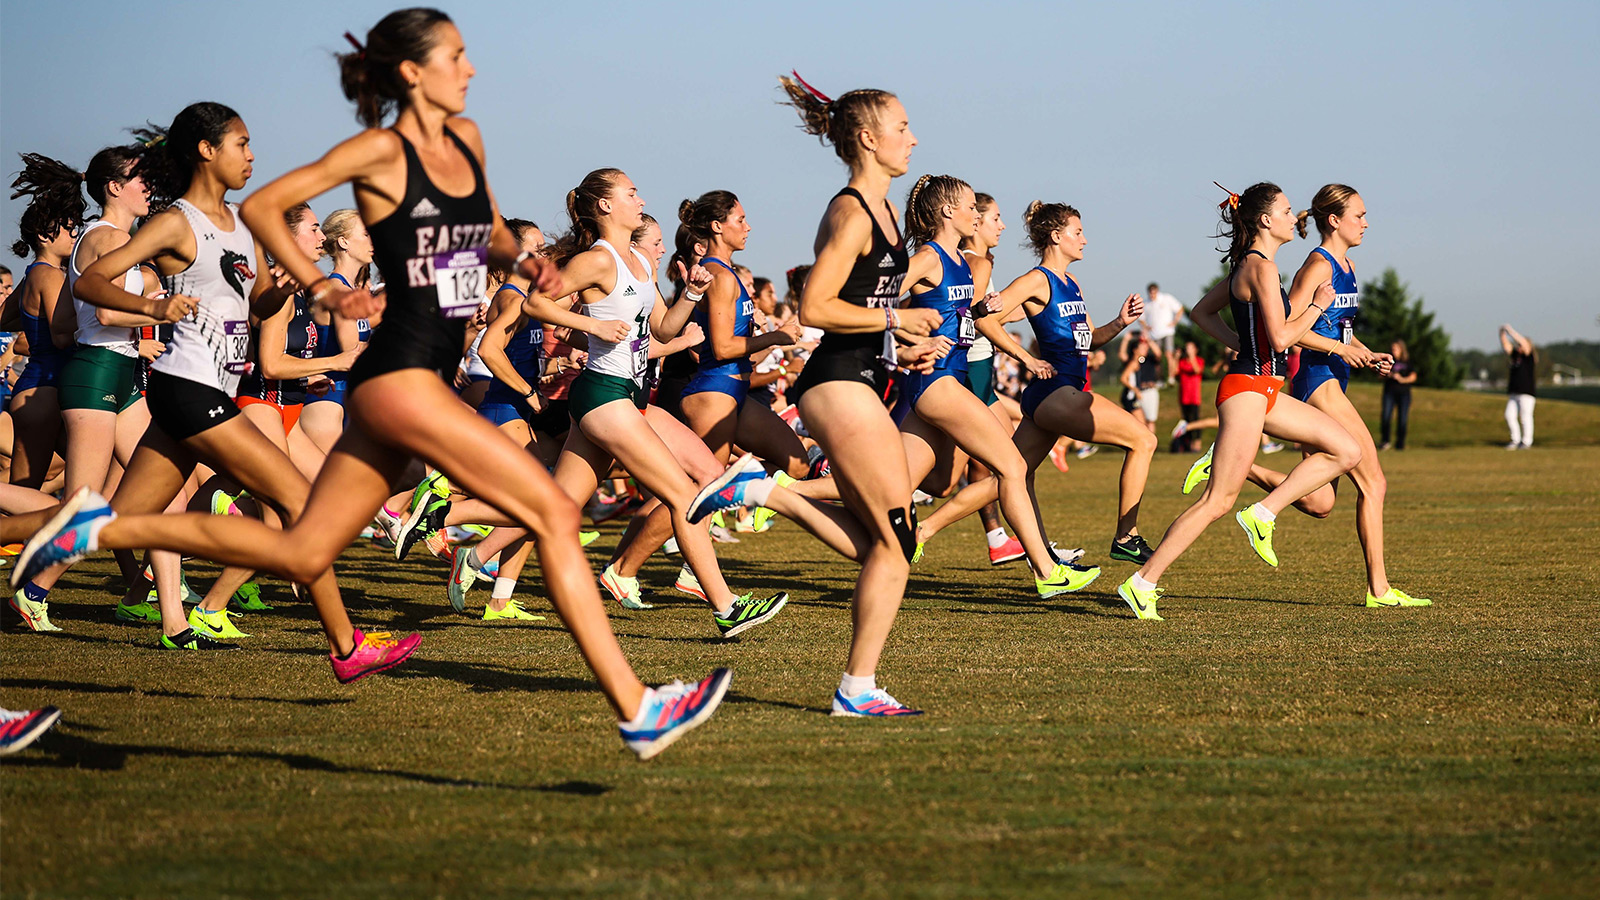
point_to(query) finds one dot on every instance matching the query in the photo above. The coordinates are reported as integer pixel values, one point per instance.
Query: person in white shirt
(1161, 314)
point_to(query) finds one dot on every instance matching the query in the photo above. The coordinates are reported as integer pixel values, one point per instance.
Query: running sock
(1264, 514)
(855, 685)
(997, 538)
(503, 587)
(1139, 584)
(757, 494)
(35, 593)
(473, 563)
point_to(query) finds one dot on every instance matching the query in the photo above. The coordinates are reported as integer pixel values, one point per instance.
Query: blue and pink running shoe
(729, 489)
(875, 702)
(671, 711)
(69, 536)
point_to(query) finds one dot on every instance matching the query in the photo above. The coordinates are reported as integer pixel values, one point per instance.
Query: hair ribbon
(360, 50)
(1233, 199)
(809, 89)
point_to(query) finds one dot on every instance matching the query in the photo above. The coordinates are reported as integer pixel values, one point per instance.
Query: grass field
(1271, 739)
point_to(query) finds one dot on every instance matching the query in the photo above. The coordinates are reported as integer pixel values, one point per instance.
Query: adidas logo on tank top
(630, 292)
(887, 262)
(424, 209)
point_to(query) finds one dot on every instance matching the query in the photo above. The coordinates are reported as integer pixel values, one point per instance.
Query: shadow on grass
(65, 750)
(489, 679)
(733, 697)
(81, 687)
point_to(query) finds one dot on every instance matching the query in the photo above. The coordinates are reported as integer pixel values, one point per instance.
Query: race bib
(1082, 337)
(236, 341)
(1347, 331)
(966, 328)
(640, 347)
(460, 278)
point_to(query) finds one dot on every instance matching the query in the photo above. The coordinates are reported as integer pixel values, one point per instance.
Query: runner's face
(736, 228)
(1071, 239)
(308, 236)
(62, 244)
(533, 242)
(966, 214)
(626, 206)
(5, 285)
(443, 77)
(358, 244)
(651, 244)
(894, 138)
(134, 194)
(767, 299)
(991, 226)
(231, 158)
(1352, 226)
(1280, 220)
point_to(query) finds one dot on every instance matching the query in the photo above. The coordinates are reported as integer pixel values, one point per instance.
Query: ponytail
(172, 154)
(57, 201)
(1241, 215)
(698, 215)
(835, 121)
(370, 73)
(583, 210)
(1331, 200)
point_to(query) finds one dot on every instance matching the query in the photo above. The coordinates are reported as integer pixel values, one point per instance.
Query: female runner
(1057, 402)
(420, 185)
(49, 227)
(346, 242)
(1257, 223)
(1331, 350)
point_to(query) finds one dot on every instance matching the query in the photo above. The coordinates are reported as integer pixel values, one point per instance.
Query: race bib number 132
(461, 279)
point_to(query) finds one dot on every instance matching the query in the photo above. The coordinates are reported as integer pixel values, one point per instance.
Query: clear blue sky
(1472, 129)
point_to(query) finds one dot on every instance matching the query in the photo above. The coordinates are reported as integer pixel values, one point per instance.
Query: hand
(989, 305)
(791, 330)
(536, 402)
(318, 385)
(1357, 357)
(919, 321)
(1132, 309)
(697, 277)
(149, 350)
(918, 357)
(1325, 296)
(174, 308)
(353, 304)
(694, 333)
(1038, 368)
(544, 274)
(611, 331)
(942, 346)
(480, 317)
(1384, 363)
(347, 359)
(462, 379)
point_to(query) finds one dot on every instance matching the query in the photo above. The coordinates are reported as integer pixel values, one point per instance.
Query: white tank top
(212, 345)
(631, 301)
(118, 339)
(476, 367)
(982, 348)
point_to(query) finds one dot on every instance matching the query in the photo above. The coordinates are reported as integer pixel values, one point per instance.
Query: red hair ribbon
(1232, 201)
(809, 89)
(360, 50)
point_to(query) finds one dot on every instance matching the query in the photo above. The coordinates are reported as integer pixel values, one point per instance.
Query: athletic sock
(852, 685)
(35, 593)
(997, 538)
(473, 564)
(503, 588)
(1139, 584)
(1264, 514)
(758, 493)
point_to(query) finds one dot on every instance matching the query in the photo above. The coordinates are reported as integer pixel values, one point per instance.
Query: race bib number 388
(236, 334)
(461, 278)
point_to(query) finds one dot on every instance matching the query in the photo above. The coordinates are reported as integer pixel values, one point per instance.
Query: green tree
(1389, 313)
(1210, 348)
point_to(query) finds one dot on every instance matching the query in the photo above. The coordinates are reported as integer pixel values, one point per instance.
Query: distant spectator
(1141, 377)
(1397, 395)
(1161, 314)
(1524, 366)
(1191, 370)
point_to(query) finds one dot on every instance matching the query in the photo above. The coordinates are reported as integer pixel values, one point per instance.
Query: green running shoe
(1200, 471)
(215, 624)
(1260, 534)
(1066, 578)
(513, 611)
(143, 611)
(747, 613)
(193, 640)
(1396, 597)
(248, 597)
(1143, 603)
(585, 538)
(1132, 548)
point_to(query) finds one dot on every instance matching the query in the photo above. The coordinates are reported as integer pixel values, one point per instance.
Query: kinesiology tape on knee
(904, 523)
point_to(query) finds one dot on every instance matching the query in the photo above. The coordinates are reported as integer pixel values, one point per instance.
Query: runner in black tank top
(398, 408)
(1249, 401)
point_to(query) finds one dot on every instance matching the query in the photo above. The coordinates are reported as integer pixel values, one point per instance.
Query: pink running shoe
(1010, 551)
(375, 652)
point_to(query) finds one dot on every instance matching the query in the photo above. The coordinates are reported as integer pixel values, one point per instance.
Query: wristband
(693, 297)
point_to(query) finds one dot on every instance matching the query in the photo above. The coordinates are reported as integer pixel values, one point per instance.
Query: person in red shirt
(1191, 369)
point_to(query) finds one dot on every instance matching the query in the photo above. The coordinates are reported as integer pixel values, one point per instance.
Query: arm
(667, 321)
(691, 336)
(1282, 331)
(98, 242)
(990, 327)
(1207, 315)
(505, 319)
(846, 233)
(1129, 370)
(581, 272)
(1132, 309)
(271, 338)
(167, 235)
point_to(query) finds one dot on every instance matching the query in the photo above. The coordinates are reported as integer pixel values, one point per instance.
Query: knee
(1316, 506)
(305, 557)
(1014, 470)
(562, 517)
(1347, 455)
(1144, 443)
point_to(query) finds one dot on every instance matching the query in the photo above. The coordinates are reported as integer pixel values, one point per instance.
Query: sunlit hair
(370, 76)
(335, 228)
(583, 209)
(1240, 223)
(698, 215)
(839, 120)
(172, 154)
(1332, 200)
(927, 198)
(56, 192)
(1041, 219)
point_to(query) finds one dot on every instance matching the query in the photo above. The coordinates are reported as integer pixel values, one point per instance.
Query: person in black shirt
(1524, 365)
(1397, 395)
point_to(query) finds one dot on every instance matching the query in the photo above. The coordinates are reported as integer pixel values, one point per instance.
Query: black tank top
(300, 340)
(433, 251)
(1256, 356)
(874, 282)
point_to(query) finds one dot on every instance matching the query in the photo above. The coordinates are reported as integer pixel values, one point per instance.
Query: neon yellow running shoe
(585, 538)
(512, 611)
(248, 597)
(1396, 597)
(1066, 578)
(1200, 471)
(1260, 534)
(214, 624)
(143, 611)
(1143, 603)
